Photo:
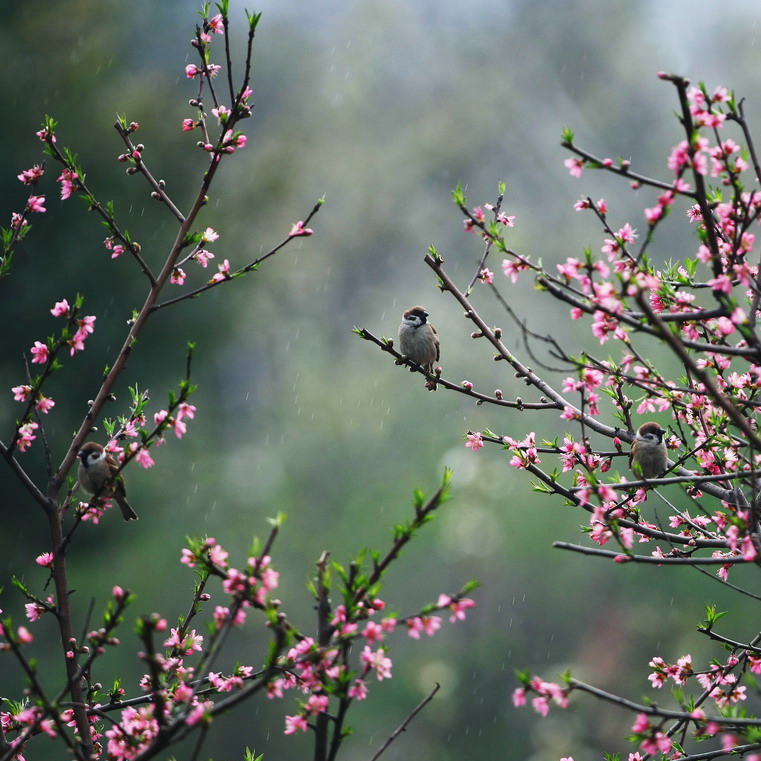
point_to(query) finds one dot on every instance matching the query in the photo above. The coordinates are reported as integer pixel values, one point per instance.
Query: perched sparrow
(419, 341)
(649, 451)
(98, 475)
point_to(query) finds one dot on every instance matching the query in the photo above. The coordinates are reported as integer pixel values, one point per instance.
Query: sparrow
(649, 451)
(99, 475)
(419, 341)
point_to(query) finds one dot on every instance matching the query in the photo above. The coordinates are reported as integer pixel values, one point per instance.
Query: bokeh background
(382, 108)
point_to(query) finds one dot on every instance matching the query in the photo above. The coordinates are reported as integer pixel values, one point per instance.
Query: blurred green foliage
(382, 108)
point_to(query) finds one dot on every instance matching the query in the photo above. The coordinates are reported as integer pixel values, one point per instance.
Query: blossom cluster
(185, 691)
(635, 301)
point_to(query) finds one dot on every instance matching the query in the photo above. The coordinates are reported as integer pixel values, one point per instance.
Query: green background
(383, 108)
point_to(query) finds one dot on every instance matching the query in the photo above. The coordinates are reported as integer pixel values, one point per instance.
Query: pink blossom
(203, 257)
(224, 272)
(31, 176)
(36, 204)
(21, 393)
(187, 644)
(46, 136)
(486, 276)
(188, 125)
(298, 229)
(33, 611)
(178, 276)
(722, 283)
(519, 697)
(216, 24)
(201, 713)
(575, 166)
(45, 560)
(191, 70)
(61, 309)
(373, 632)
(376, 659)
(219, 556)
(86, 326)
(40, 353)
(44, 404)
(540, 703)
(67, 183)
(475, 441)
(457, 608)
(24, 635)
(748, 549)
(186, 410)
(188, 558)
(26, 436)
(295, 723)
(143, 458)
(317, 704)
(358, 690)
(428, 624)
(414, 627)
(513, 267)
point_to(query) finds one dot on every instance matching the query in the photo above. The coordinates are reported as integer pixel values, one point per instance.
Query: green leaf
(458, 196)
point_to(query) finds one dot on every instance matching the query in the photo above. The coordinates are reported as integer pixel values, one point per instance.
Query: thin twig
(403, 726)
